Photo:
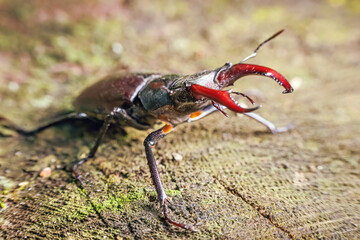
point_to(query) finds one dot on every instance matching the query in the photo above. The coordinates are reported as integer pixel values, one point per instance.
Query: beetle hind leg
(54, 122)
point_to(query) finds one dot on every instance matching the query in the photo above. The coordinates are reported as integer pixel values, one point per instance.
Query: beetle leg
(122, 114)
(116, 113)
(211, 109)
(94, 149)
(150, 141)
(203, 113)
(54, 122)
(269, 124)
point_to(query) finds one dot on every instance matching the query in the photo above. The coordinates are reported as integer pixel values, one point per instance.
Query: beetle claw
(82, 180)
(190, 227)
(78, 176)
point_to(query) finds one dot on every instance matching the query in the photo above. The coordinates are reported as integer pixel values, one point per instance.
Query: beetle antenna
(260, 45)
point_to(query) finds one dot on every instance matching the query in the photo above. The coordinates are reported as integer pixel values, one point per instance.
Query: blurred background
(51, 50)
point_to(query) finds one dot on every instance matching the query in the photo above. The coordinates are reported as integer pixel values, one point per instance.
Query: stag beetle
(139, 100)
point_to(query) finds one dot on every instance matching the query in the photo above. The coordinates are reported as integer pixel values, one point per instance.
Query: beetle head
(208, 85)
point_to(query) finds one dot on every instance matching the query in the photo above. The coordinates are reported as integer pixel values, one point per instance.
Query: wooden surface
(235, 179)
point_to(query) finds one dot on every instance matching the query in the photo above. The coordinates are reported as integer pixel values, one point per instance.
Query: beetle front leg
(269, 124)
(274, 130)
(150, 141)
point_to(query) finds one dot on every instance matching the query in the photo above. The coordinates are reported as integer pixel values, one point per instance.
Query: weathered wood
(234, 178)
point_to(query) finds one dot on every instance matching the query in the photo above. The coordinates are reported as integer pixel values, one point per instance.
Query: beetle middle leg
(150, 141)
(93, 150)
(117, 113)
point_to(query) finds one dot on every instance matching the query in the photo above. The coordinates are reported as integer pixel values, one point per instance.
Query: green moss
(117, 202)
(81, 213)
(2, 204)
(173, 193)
(67, 212)
(209, 201)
